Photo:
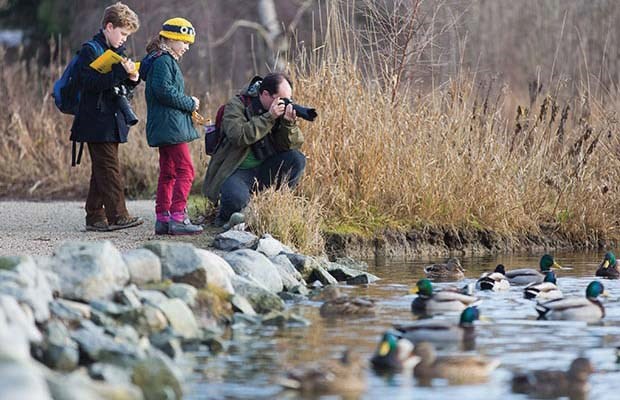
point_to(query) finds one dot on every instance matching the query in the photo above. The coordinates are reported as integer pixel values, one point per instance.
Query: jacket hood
(147, 62)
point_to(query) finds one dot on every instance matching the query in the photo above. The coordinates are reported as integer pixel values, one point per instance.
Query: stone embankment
(92, 321)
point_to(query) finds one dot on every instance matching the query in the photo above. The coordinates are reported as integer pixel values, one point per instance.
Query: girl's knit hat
(178, 29)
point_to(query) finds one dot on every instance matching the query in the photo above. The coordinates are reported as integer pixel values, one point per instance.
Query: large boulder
(219, 272)
(90, 270)
(233, 240)
(290, 276)
(179, 262)
(257, 267)
(143, 265)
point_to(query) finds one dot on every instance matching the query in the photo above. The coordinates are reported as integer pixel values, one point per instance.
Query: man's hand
(277, 108)
(290, 114)
(196, 103)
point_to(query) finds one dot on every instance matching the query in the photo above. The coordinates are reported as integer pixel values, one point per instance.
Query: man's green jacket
(242, 127)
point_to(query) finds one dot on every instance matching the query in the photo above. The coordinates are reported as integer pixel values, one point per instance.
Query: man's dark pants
(282, 167)
(106, 196)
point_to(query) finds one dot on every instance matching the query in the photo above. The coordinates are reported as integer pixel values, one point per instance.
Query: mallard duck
(609, 267)
(343, 376)
(546, 290)
(588, 309)
(339, 305)
(450, 271)
(495, 280)
(429, 303)
(456, 369)
(430, 330)
(525, 276)
(552, 384)
(394, 354)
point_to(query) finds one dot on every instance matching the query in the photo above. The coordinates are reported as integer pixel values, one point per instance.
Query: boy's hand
(130, 68)
(196, 103)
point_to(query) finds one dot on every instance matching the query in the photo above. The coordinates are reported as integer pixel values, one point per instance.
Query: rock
(22, 380)
(289, 275)
(271, 247)
(17, 329)
(254, 265)
(321, 275)
(61, 352)
(168, 343)
(242, 305)
(90, 270)
(69, 311)
(110, 373)
(181, 318)
(344, 273)
(358, 280)
(129, 296)
(286, 318)
(153, 297)
(158, 378)
(261, 299)
(179, 262)
(144, 266)
(234, 239)
(218, 270)
(288, 296)
(301, 290)
(98, 346)
(242, 320)
(183, 291)
(77, 385)
(21, 278)
(299, 262)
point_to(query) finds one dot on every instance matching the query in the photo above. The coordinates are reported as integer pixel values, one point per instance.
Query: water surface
(257, 356)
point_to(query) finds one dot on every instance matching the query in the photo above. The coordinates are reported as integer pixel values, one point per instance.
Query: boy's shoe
(235, 219)
(184, 227)
(126, 222)
(161, 228)
(99, 226)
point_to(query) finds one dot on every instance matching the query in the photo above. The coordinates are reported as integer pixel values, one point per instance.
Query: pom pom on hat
(178, 29)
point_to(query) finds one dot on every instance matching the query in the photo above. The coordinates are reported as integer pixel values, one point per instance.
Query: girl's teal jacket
(169, 109)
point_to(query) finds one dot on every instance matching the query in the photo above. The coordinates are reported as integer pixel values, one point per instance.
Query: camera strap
(76, 160)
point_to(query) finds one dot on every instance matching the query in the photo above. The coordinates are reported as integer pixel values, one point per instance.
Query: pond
(257, 356)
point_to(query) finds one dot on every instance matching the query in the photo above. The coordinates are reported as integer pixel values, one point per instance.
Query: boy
(101, 123)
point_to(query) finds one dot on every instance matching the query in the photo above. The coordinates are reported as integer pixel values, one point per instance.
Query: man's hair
(121, 16)
(271, 82)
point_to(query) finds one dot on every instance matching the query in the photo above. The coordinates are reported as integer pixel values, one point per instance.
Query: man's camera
(123, 96)
(307, 113)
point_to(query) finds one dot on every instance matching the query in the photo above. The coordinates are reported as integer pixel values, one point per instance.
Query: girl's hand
(196, 103)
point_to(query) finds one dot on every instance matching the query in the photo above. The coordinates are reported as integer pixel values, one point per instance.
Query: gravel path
(37, 228)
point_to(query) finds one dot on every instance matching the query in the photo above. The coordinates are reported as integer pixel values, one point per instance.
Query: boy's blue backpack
(67, 89)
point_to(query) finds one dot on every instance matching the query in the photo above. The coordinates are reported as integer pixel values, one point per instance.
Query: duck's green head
(595, 289)
(610, 259)
(469, 315)
(387, 345)
(550, 277)
(547, 262)
(423, 287)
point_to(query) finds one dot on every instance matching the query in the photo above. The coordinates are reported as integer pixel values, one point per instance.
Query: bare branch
(243, 23)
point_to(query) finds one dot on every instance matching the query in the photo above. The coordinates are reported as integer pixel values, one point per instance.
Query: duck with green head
(461, 369)
(546, 290)
(430, 303)
(437, 331)
(549, 384)
(495, 280)
(525, 276)
(394, 354)
(588, 309)
(445, 272)
(609, 267)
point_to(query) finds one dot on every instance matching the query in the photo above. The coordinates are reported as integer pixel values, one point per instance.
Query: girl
(169, 125)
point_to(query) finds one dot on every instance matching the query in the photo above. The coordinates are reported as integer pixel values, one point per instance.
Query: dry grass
(380, 154)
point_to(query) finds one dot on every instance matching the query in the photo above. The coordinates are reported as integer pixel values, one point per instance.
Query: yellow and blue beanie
(178, 29)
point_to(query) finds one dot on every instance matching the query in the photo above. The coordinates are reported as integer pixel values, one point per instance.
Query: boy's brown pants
(106, 196)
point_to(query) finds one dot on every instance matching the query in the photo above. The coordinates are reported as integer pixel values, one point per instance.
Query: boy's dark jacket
(169, 119)
(99, 119)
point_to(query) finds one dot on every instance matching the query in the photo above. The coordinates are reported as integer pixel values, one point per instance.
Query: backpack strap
(76, 160)
(76, 154)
